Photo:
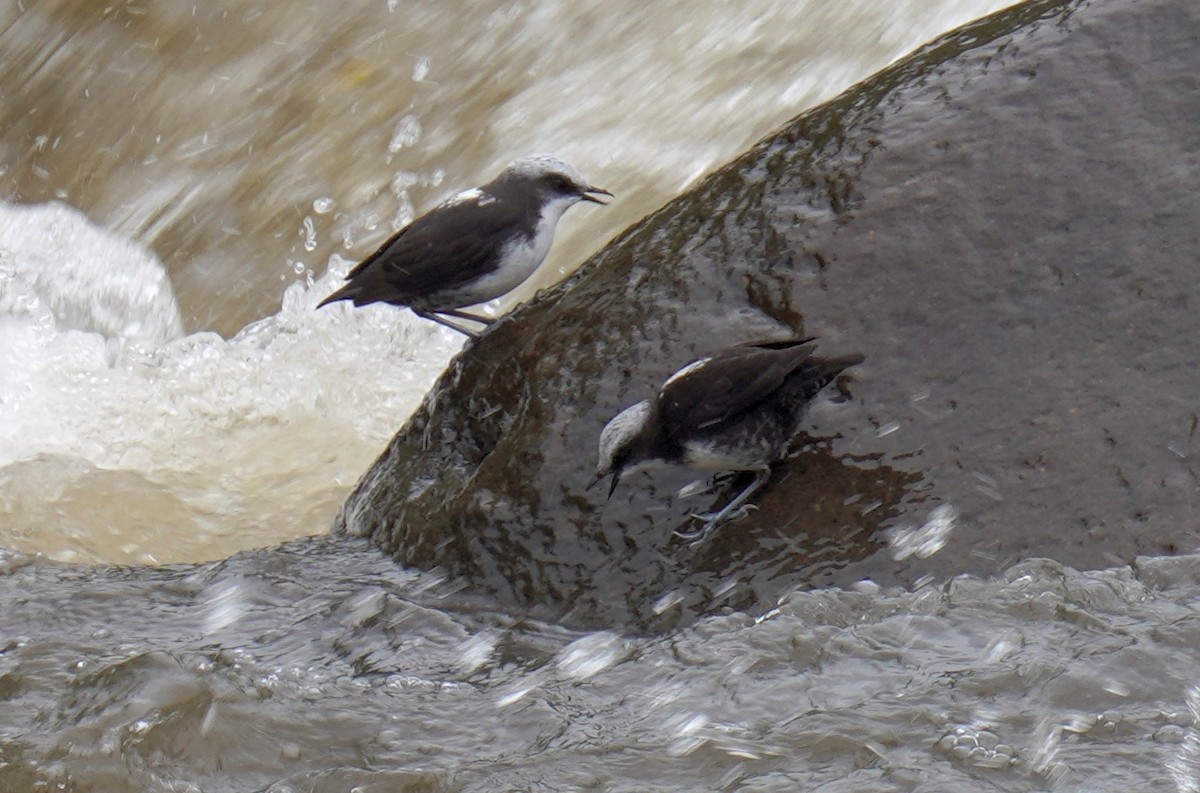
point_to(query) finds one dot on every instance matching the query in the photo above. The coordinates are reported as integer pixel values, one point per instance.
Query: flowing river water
(170, 396)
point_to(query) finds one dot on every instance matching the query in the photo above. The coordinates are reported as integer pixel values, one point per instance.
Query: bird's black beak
(616, 476)
(586, 195)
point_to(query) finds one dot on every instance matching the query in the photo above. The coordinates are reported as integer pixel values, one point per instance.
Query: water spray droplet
(420, 70)
(310, 234)
(407, 132)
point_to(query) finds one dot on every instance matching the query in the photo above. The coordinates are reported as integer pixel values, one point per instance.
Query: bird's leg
(445, 322)
(730, 511)
(454, 312)
(761, 476)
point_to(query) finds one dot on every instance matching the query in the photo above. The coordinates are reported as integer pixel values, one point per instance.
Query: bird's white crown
(538, 165)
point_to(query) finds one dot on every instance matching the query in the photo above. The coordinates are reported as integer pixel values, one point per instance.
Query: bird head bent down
(621, 444)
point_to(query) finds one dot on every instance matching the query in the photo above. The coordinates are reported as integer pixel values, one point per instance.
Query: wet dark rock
(1005, 224)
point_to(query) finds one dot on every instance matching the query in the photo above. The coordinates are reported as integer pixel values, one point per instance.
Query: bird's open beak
(616, 476)
(587, 195)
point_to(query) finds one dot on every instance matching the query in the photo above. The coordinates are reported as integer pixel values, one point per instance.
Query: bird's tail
(816, 373)
(832, 367)
(347, 292)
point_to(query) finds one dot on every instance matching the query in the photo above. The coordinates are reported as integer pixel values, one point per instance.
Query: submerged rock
(1004, 224)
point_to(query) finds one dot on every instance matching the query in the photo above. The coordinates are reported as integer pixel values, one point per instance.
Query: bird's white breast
(746, 445)
(707, 456)
(524, 254)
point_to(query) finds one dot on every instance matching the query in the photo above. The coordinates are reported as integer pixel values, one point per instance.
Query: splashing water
(119, 432)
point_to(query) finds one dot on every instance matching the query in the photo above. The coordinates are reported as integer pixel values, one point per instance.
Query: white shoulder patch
(473, 195)
(685, 371)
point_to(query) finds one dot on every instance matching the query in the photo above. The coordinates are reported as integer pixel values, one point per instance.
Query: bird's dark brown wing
(443, 249)
(727, 384)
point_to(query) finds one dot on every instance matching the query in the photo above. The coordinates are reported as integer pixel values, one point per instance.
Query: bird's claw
(711, 521)
(696, 536)
(722, 517)
(741, 512)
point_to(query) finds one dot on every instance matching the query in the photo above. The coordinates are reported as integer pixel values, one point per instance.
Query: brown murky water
(244, 145)
(246, 141)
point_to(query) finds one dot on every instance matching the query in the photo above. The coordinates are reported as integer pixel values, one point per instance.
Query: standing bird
(736, 410)
(476, 246)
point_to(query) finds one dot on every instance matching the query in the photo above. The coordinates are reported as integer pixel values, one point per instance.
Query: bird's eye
(560, 183)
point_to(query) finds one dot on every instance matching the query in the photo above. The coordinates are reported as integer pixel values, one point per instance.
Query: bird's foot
(725, 515)
(696, 536)
(711, 521)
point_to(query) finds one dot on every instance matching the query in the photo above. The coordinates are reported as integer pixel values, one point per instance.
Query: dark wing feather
(728, 384)
(443, 249)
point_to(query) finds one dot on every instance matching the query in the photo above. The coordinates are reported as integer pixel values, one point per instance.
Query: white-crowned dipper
(735, 410)
(476, 246)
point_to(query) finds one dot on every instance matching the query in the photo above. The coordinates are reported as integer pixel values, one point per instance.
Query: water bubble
(979, 747)
(1169, 734)
(668, 601)
(420, 70)
(590, 655)
(476, 651)
(520, 689)
(210, 718)
(297, 267)
(927, 540)
(323, 205)
(866, 586)
(310, 234)
(406, 133)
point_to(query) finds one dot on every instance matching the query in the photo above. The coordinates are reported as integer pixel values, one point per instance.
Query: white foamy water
(121, 438)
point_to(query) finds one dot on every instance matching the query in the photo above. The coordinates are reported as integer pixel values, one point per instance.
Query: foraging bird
(736, 410)
(476, 246)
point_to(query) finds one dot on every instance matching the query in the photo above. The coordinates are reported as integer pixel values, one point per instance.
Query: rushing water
(302, 670)
(185, 410)
(258, 150)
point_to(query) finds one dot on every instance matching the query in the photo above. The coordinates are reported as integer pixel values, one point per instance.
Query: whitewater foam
(255, 438)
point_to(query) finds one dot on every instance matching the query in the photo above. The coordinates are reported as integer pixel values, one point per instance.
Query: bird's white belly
(747, 445)
(704, 456)
(520, 258)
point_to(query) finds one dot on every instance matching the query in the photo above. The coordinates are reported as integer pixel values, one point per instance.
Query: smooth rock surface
(1003, 223)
